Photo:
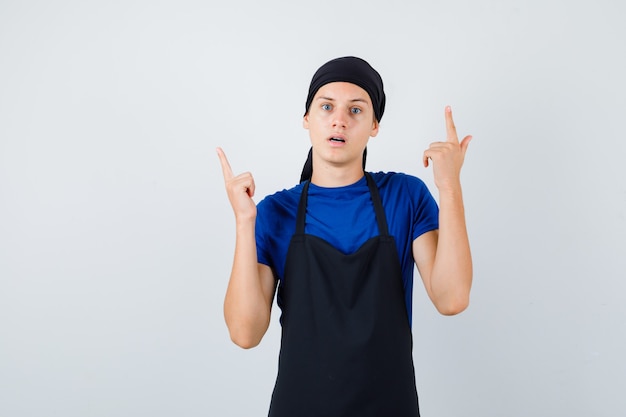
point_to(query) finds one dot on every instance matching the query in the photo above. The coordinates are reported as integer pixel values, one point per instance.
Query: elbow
(244, 340)
(246, 334)
(244, 330)
(453, 299)
(453, 307)
(245, 343)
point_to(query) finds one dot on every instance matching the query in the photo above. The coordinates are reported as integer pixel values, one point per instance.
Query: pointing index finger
(226, 169)
(450, 128)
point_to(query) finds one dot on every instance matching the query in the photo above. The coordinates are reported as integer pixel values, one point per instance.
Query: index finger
(450, 128)
(226, 169)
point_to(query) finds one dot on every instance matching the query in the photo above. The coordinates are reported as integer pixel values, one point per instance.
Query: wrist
(244, 223)
(449, 188)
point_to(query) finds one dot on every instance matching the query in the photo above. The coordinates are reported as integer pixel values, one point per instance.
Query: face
(340, 121)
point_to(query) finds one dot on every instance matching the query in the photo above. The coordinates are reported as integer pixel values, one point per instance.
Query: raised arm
(248, 301)
(443, 257)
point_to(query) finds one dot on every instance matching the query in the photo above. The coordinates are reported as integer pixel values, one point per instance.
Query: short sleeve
(425, 210)
(260, 234)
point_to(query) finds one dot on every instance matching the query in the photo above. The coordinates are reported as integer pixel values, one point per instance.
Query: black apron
(346, 346)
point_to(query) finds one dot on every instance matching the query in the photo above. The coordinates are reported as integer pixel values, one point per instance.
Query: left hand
(448, 156)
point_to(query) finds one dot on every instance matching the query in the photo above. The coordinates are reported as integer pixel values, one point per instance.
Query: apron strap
(378, 206)
(300, 218)
(376, 201)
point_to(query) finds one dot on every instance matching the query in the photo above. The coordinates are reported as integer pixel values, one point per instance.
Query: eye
(355, 110)
(326, 107)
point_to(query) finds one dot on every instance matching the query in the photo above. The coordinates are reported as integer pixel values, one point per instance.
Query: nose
(340, 120)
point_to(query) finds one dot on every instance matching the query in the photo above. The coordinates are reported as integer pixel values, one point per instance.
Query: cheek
(316, 121)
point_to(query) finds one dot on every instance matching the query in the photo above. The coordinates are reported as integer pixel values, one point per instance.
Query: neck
(327, 175)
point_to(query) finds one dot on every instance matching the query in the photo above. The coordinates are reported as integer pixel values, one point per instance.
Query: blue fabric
(344, 216)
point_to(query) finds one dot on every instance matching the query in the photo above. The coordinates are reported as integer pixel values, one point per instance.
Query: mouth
(337, 140)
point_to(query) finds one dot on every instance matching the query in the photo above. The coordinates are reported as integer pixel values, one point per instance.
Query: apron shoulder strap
(301, 216)
(378, 206)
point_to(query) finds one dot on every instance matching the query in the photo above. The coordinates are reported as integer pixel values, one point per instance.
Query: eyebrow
(353, 100)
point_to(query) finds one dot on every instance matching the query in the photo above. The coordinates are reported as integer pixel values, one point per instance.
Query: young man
(341, 246)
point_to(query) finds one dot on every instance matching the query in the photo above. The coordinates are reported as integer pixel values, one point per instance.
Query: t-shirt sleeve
(426, 210)
(260, 234)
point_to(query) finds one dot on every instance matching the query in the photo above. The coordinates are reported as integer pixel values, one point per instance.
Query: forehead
(343, 90)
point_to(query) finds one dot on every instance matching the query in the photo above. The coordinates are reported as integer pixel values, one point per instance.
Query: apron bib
(346, 347)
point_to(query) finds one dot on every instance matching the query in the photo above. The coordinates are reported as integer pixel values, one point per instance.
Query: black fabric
(352, 70)
(346, 347)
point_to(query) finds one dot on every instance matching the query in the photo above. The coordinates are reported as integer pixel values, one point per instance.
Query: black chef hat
(352, 70)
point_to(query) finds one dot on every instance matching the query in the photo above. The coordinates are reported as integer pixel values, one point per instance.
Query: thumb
(465, 143)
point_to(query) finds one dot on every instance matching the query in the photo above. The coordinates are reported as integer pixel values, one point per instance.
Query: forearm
(451, 276)
(246, 305)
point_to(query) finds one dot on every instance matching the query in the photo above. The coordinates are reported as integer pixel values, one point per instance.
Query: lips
(337, 138)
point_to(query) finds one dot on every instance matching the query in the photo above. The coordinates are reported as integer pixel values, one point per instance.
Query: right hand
(240, 190)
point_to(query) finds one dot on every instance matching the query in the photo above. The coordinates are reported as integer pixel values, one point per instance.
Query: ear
(305, 121)
(374, 131)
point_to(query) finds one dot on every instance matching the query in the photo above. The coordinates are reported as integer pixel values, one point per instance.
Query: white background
(116, 236)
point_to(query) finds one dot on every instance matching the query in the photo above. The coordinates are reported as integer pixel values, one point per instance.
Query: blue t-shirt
(345, 218)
